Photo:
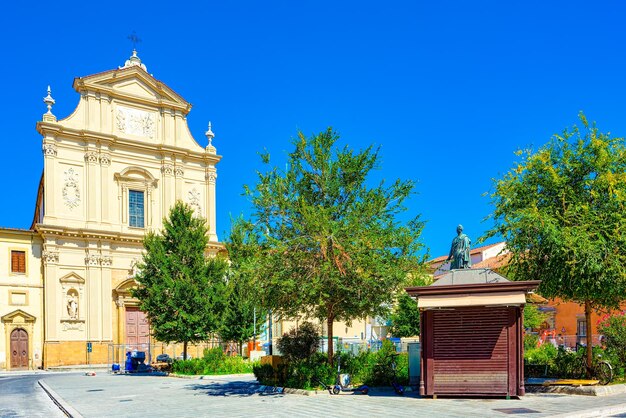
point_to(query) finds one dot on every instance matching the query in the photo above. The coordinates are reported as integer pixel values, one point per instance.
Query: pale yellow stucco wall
(128, 132)
(21, 295)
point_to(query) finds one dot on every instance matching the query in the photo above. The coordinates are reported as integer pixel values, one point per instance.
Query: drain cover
(517, 411)
(95, 390)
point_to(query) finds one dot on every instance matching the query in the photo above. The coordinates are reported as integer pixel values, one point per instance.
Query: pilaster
(49, 149)
(106, 291)
(50, 258)
(211, 178)
(92, 183)
(94, 297)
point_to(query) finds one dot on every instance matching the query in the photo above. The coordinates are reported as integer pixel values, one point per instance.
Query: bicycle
(600, 369)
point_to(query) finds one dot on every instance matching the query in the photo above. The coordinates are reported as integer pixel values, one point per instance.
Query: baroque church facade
(112, 170)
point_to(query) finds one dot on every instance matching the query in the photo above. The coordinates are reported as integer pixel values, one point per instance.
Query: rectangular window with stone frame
(136, 208)
(18, 261)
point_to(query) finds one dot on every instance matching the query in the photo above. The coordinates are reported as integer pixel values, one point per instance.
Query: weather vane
(134, 39)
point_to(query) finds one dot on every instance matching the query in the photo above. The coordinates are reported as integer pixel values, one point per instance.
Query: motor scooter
(342, 383)
(397, 387)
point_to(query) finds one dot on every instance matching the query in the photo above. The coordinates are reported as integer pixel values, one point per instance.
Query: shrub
(539, 361)
(531, 342)
(613, 329)
(264, 374)
(299, 344)
(214, 361)
(369, 368)
(306, 374)
(380, 371)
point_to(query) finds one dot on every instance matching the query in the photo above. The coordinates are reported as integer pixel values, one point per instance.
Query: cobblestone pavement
(140, 396)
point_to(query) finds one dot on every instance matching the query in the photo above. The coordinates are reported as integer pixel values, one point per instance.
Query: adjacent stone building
(21, 299)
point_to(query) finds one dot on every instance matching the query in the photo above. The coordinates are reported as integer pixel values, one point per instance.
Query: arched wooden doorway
(19, 349)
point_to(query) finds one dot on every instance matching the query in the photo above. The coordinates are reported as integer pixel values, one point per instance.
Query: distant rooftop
(469, 276)
(476, 250)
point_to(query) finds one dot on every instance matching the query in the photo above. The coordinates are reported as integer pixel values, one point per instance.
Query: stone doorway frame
(16, 320)
(124, 299)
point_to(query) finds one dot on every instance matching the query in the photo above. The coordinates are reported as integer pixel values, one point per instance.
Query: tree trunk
(241, 348)
(185, 350)
(329, 324)
(589, 335)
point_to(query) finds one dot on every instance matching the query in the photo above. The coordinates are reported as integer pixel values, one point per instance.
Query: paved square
(139, 396)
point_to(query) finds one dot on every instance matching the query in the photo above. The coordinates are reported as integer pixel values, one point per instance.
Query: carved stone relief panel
(135, 122)
(71, 190)
(194, 201)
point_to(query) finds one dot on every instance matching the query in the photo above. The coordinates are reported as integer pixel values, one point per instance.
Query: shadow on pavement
(226, 389)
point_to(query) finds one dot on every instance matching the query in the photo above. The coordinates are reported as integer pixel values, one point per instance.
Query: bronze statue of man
(460, 251)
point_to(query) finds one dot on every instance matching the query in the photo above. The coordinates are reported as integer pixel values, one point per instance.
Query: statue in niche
(72, 306)
(460, 251)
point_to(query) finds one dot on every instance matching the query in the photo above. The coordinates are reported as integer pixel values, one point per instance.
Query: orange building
(565, 323)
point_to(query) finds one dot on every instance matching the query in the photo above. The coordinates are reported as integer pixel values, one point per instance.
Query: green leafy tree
(405, 317)
(533, 317)
(179, 288)
(243, 300)
(561, 211)
(329, 244)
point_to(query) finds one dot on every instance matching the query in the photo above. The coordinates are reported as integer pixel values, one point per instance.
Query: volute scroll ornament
(49, 150)
(91, 157)
(91, 260)
(105, 159)
(211, 175)
(50, 257)
(167, 169)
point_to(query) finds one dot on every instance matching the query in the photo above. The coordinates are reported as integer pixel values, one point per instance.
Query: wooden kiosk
(472, 334)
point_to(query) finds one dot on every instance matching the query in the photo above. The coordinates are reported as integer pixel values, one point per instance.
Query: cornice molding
(84, 137)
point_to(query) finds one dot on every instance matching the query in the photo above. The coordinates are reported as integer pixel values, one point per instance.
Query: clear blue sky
(449, 90)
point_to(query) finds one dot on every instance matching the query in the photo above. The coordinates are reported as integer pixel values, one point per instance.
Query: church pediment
(18, 316)
(72, 278)
(133, 84)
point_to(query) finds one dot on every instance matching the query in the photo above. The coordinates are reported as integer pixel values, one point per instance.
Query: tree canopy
(179, 288)
(405, 317)
(243, 304)
(561, 211)
(327, 243)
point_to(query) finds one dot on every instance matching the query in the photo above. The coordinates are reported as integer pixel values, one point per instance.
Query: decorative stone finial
(134, 61)
(49, 101)
(210, 135)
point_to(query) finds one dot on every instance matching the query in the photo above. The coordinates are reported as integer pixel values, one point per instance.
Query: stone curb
(291, 391)
(587, 413)
(66, 408)
(579, 390)
(209, 376)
